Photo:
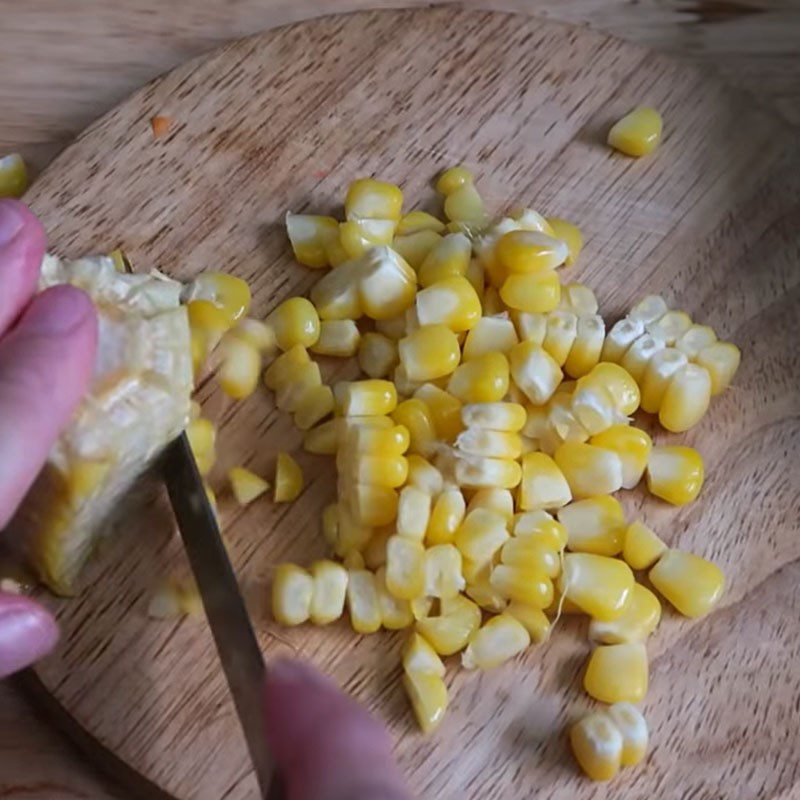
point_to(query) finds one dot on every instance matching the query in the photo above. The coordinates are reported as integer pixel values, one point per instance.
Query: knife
(225, 610)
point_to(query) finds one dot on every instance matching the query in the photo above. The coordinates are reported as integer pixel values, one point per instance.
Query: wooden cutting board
(285, 120)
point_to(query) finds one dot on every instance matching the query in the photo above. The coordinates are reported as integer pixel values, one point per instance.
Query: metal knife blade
(225, 610)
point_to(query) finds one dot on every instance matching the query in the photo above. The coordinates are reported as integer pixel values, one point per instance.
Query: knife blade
(227, 616)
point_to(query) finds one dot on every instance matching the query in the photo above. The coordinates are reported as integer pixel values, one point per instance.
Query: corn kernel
(385, 441)
(571, 236)
(375, 549)
(621, 336)
(594, 525)
(498, 640)
(368, 198)
(642, 547)
(531, 552)
(421, 607)
(599, 585)
(330, 589)
(208, 322)
(589, 470)
(390, 471)
(395, 613)
(339, 337)
(377, 355)
(721, 360)
(633, 447)
(446, 517)
(639, 354)
(529, 252)
(476, 472)
(284, 368)
(533, 292)
(13, 176)
(560, 335)
(362, 601)
(490, 335)
(696, 338)
(675, 474)
(465, 205)
(373, 505)
(497, 416)
(534, 371)
(413, 513)
(334, 250)
(579, 299)
(294, 393)
(451, 301)
(387, 286)
(541, 526)
(335, 295)
(649, 309)
(445, 410)
(423, 475)
(202, 437)
(459, 618)
(639, 619)
(427, 694)
(543, 484)
(670, 327)
(525, 584)
(256, 333)
(415, 248)
(481, 380)
(308, 234)
(246, 485)
(532, 619)
(288, 479)
(618, 383)
(429, 352)
(449, 258)
(489, 443)
(686, 398)
(453, 179)
(530, 327)
(353, 560)
(617, 673)
(420, 657)
(657, 376)
(501, 501)
(322, 439)
(357, 236)
(482, 592)
(637, 133)
(597, 746)
(690, 583)
(592, 406)
(405, 567)
(292, 590)
(228, 292)
(414, 416)
(443, 576)
(314, 405)
(241, 363)
(368, 398)
(415, 221)
(481, 535)
(631, 724)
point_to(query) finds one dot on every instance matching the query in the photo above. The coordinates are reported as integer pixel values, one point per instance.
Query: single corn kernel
(561, 332)
(413, 513)
(476, 472)
(308, 234)
(387, 285)
(490, 335)
(292, 590)
(465, 205)
(405, 567)
(639, 619)
(13, 176)
(618, 383)
(501, 501)
(449, 258)
(532, 553)
(571, 236)
(416, 221)
(208, 319)
(657, 376)
(423, 475)
(288, 479)
(579, 299)
(498, 640)
(395, 613)
(357, 236)
(481, 535)
(295, 321)
(533, 292)
(675, 474)
(617, 673)
(669, 328)
(633, 447)
(721, 360)
(451, 302)
(481, 380)
(292, 394)
(527, 219)
(375, 549)
(594, 525)
(459, 618)
(531, 327)
(421, 607)
(483, 593)
(337, 337)
(362, 601)
(445, 410)
(523, 584)
(241, 364)
(430, 352)
(621, 336)
(334, 250)
(202, 437)
(415, 248)
(246, 485)
(228, 292)
(368, 198)
(377, 355)
(427, 694)
(686, 398)
(642, 546)
(453, 179)
(534, 371)
(489, 443)
(528, 252)
(499, 416)
(542, 527)
(335, 295)
(414, 416)
(352, 534)
(443, 576)
(599, 585)
(543, 484)
(394, 327)
(639, 354)
(403, 384)
(597, 746)
(420, 657)
(392, 440)
(315, 404)
(593, 407)
(446, 517)
(284, 368)
(697, 338)
(256, 333)
(690, 583)
(533, 619)
(589, 470)
(322, 439)
(637, 133)
(632, 725)
(649, 309)
(390, 471)
(368, 398)
(373, 505)
(330, 589)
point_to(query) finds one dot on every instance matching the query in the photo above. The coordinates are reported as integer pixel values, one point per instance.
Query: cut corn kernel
(543, 484)
(639, 354)
(686, 398)
(428, 696)
(351, 533)
(594, 525)
(697, 338)
(308, 234)
(597, 746)
(578, 298)
(481, 535)
(405, 567)
(446, 517)
(631, 724)
(388, 285)
(638, 620)
(571, 236)
(541, 526)
(228, 292)
(357, 236)
(246, 485)
(530, 327)
(284, 368)
(373, 505)
(534, 371)
(292, 590)
(421, 607)
(240, 367)
(670, 327)
(416, 221)
(531, 552)
(560, 335)
(482, 380)
(322, 439)
(375, 549)
(465, 205)
(657, 376)
(721, 360)
(633, 447)
(288, 479)
(377, 355)
(362, 601)
(208, 322)
(393, 328)
(690, 583)
(476, 472)
(336, 295)
(443, 576)
(315, 404)
(649, 309)
(414, 416)
(533, 619)
(337, 337)
(489, 443)
(586, 349)
(395, 613)
(445, 410)
(529, 252)
(202, 437)
(637, 133)
(599, 585)
(368, 398)
(483, 593)
(618, 383)
(415, 248)
(420, 657)
(413, 513)
(292, 394)
(589, 470)
(617, 673)
(449, 258)
(330, 589)
(389, 471)
(458, 620)
(368, 198)
(535, 292)
(453, 179)
(493, 305)
(429, 352)
(498, 640)
(490, 335)
(501, 501)
(494, 416)
(675, 474)
(525, 584)
(256, 333)
(13, 176)
(642, 547)
(621, 336)
(385, 441)
(404, 386)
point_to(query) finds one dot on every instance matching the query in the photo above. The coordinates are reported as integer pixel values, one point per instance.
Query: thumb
(326, 746)
(27, 632)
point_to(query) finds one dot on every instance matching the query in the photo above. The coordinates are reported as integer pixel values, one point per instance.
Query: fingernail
(289, 671)
(11, 221)
(57, 311)
(27, 632)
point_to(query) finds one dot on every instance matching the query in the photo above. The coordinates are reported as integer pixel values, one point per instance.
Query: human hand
(47, 347)
(326, 746)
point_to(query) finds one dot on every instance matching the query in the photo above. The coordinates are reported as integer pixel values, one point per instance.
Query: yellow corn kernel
(543, 484)
(308, 234)
(675, 474)
(639, 619)
(208, 320)
(632, 725)
(420, 657)
(497, 416)
(465, 205)
(395, 613)
(384, 441)
(498, 640)
(295, 321)
(492, 303)
(481, 380)
(421, 607)
(476, 472)
(579, 299)
(443, 576)
(690, 583)
(670, 327)
(202, 437)
(489, 443)
(617, 673)
(85, 476)
(642, 547)
(315, 404)
(633, 447)
(430, 352)
(330, 589)
(353, 560)
(599, 585)
(490, 335)
(533, 619)
(415, 221)
(445, 410)
(592, 406)
(697, 338)
(388, 471)
(594, 525)
(368, 398)
(330, 524)
(686, 398)
(475, 275)
(721, 360)
(292, 590)
(533, 553)
(368, 198)
(483, 593)
(413, 513)
(373, 505)
(322, 439)
(453, 179)
(618, 383)
(357, 236)
(352, 534)
(284, 368)
(246, 485)
(336, 295)
(649, 309)
(531, 327)
(657, 376)
(339, 337)
(393, 328)
(415, 248)
(533, 292)
(387, 286)
(405, 567)
(228, 292)
(571, 236)
(501, 501)
(637, 133)
(560, 335)
(427, 694)
(589, 470)
(534, 371)
(414, 416)
(451, 302)
(256, 333)
(375, 549)
(292, 394)
(456, 623)
(377, 355)
(449, 258)
(288, 479)
(525, 584)
(334, 250)
(481, 535)
(446, 517)
(639, 354)
(423, 475)
(597, 746)
(362, 601)
(621, 336)
(241, 363)
(526, 219)
(13, 176)
(528, 252)
(541, 526)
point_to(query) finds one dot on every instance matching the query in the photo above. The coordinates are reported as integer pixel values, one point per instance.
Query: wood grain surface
(285, 120)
